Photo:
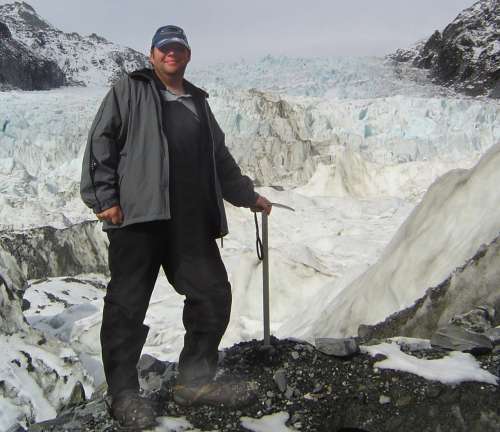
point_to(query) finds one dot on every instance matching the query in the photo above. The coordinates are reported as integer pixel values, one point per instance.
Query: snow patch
(455, 368)
(271, 423)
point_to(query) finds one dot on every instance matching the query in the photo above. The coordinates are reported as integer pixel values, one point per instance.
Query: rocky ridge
(71, 59)
(466, 54)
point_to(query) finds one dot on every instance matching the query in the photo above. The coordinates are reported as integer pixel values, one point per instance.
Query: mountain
(71, 59)
(466, 54)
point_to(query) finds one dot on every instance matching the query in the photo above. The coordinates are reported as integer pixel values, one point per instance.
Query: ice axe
(263, 254)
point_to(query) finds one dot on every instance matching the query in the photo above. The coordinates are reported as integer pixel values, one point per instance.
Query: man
(155, 171)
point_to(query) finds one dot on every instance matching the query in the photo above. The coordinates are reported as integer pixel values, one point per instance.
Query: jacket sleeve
(237, 188)
(99, 182)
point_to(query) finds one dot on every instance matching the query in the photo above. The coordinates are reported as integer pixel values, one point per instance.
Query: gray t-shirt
(186, 99)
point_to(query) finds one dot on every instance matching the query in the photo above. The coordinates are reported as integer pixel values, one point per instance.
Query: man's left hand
(262, 205)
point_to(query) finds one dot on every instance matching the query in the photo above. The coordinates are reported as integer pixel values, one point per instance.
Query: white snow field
(354, 149)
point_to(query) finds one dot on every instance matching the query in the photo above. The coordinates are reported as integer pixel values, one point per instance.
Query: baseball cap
(169, 34)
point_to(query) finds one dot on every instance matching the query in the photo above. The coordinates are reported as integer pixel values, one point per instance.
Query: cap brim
(164, 42)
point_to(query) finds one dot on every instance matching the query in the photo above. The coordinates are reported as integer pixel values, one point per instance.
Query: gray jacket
(126, 159)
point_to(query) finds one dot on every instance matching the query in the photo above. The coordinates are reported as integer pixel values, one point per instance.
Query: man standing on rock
(155, 171)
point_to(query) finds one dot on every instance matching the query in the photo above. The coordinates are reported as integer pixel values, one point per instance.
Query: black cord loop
(258, 242)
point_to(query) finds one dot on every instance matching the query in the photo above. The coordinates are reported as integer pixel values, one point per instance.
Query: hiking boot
(132, 411)
(229, 394)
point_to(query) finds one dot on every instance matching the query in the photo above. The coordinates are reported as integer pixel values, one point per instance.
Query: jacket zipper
(164, 147)
(92, 167)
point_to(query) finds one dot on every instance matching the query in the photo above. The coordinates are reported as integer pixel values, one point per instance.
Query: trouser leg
(134, 262)
(195, 268)
(206, 315)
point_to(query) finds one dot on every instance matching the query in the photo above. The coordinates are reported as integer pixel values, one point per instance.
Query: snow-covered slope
(458, 214)
(84, 60)
(466, 55)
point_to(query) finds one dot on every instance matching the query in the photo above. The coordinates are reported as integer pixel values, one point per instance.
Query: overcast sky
(222, 30)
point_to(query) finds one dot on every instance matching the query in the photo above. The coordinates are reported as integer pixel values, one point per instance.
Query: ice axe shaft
(265, 273)
(265, 279)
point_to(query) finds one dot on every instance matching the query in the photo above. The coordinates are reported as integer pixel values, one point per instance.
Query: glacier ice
(369, 147)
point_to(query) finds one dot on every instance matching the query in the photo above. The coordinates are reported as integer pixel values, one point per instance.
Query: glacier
(393, 182)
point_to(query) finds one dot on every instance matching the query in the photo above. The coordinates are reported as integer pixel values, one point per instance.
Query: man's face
(170, 59)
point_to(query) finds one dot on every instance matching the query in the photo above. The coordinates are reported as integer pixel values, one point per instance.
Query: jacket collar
(149, 75)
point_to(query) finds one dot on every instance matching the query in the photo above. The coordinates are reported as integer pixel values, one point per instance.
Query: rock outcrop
(49, 252)
(21, 68)
(466, 54)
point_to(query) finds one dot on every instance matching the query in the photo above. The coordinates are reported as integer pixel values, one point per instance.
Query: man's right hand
(113, 214)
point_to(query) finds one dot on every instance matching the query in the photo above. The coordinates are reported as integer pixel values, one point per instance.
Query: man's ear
(151, 53)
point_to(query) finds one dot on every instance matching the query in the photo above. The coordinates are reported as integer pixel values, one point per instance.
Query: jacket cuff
(106, 205)
(255, 197)
(250, 201)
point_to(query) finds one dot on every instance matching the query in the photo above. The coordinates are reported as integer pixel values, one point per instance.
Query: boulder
(493, 334)
(477, 320)
(457, 338)
(280, 379)
(343, 347)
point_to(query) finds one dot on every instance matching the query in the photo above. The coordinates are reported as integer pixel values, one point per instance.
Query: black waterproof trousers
(186, 250)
